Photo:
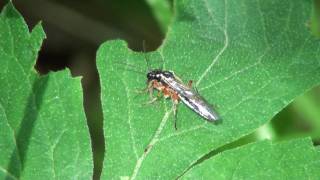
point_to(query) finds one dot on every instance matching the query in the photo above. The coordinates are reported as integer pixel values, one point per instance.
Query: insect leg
(151, 86)
(196, 89)
(190, 84)
(147, 89)
(175, 101)
(166, 92)
(150, 89)
(175, 115)
(152, 101)
(142, 91)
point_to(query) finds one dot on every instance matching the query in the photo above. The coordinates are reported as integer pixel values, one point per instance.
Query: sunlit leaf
(43, 133)
(248, 58)
(263, 160)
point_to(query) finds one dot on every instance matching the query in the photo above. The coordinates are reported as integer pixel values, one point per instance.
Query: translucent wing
(191, 98)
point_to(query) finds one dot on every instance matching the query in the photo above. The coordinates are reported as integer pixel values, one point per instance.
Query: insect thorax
(159, 75)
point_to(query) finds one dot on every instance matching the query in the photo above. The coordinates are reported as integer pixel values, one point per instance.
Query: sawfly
(171, 86)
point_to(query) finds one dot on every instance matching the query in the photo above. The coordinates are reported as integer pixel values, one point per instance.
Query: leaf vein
(13, 134)
(183, 132)
(153, 141)
(8, 173)
(134, 145)
(237, 72)
(226, 43)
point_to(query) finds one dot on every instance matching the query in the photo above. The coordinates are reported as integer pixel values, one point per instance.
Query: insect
(172, 86)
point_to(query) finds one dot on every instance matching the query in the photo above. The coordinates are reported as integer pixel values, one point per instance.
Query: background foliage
(42, 122)
(281, 65)
(250, 68)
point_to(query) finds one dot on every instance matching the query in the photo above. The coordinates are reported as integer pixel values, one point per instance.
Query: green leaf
(249, 58)
(43, 132)
(162, 12)
(296, 159)
(314, 22)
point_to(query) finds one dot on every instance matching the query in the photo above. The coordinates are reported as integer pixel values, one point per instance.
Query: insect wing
(192, 99)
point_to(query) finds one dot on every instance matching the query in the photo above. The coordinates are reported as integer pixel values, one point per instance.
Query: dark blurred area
(76, 28)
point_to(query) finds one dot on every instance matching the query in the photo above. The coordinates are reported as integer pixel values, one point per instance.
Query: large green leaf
(162, 12)
(43, 133)
(263, 160)
(249, 58)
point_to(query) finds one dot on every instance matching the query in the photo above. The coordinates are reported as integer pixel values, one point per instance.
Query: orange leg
(190, 84)
(150, 89)
(158, 86)
(155, 84)
(166, 92)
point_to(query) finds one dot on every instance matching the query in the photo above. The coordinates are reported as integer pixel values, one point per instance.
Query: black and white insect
(171, 86)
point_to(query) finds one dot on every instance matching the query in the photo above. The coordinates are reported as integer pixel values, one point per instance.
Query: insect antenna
(148, 60)
(130, 67)
(145, 55)
(134, 70)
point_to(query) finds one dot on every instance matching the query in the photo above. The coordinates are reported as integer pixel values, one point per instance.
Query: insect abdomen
(192, 99)
(199, 106)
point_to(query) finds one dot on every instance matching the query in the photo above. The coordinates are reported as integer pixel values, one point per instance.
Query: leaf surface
(296, 159)
(248, 58)
(43, 132)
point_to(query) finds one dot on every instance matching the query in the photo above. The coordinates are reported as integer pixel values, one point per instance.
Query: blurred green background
(76, 28)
